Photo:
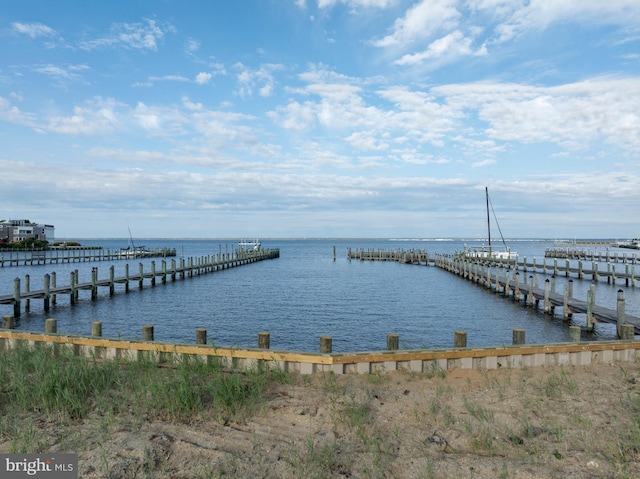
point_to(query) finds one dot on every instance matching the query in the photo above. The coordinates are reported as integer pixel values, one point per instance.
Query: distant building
(19, 230)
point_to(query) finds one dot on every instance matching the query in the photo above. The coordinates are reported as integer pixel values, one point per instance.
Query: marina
(315, 290)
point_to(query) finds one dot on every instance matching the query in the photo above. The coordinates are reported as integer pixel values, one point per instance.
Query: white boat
(488, 251)
(633, 244)
(245, 245)
(133, 251)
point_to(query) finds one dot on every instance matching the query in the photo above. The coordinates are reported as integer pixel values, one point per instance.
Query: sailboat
(489, 252)
(132, 251)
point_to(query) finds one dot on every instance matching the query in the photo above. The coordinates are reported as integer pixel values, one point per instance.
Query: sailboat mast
(486, 190)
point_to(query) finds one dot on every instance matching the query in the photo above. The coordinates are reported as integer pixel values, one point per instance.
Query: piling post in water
(326, 344)
(72, 286)
(96, 329)
(147, 332)
(334, 253)
(53, 286)
(16, 298)
(516, 284)
(460, 339)
(47, 291)
(51, 326)
(591, 300)
(27, 288)
(574, 334)
(580, 269)
(153, 273)
(76, 279)
(393, 342)
(7, 322)
(112, 284)
(547, 303)
(141, 273)
(518, 336)
(628, 331)
(620, 313)
(201, 336)
(164, 271)
(94, 284)
(264, 340)
(531, 298)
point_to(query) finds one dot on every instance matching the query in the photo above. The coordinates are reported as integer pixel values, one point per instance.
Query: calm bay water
(305, 294)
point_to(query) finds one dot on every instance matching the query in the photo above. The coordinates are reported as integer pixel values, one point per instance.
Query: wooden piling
(7, 322)
(16, 298)
(147, 332)
(574, 333)
(47, 292)
(393, 342)
(627, 331)
(264, 340)
(460, 339)
(620, 311)
(518, 336)
(51, 325)
(96, 329)
(201, 336)
(325, 344)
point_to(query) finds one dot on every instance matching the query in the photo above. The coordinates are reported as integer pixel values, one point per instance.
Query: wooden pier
(77, 255)
(185, 268)
(508, 281)
(412, 256)
(589, 255)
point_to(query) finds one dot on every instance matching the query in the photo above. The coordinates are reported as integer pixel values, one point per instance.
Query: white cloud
(34, 30)
(420, 22)
(203, 78)
(140, 36)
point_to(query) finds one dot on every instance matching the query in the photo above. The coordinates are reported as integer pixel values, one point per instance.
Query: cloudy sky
(321, 118)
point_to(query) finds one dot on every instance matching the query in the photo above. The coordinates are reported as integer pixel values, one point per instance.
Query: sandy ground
(579, 422)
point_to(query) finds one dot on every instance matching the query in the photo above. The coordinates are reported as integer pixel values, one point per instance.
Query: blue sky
(321, 118)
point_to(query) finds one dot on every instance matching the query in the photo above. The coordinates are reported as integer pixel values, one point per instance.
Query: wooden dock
(185, 268)
(507, 281)
(590, 255)
(412, 256)
(77, 255)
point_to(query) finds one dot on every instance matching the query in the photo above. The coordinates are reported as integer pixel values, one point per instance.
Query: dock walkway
(175, 271)
(77, 255)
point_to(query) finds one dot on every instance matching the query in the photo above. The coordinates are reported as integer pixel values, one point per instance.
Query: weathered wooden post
(334, 253)
(591, 300)
(518, 336)
(460, 339)
(96, 329)
(94, 284)
(72, 288)
(7, 322)
(516, 285)
(27, 288)
(547, 302)
(393, 342)
(76, 279)
(147, 332)
(531, 295)
(47, 291)
(628, 331)
(51, 325)
(153, 273)
(141, 273)
(126, 278)
(173, 270)
(112, 284)
(620, 313)
(164, 271)
(96, 332)
(16, 298)
(264, 340)
(574, 334)
(53, 286)
(201, 336)
(325, 344)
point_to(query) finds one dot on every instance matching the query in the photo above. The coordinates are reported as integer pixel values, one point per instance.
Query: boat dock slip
(413, 256)
(185, 268)
(583, 254)
(77, 255)
(510, 282)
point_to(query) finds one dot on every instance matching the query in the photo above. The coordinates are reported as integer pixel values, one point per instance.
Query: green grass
(54, 383)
